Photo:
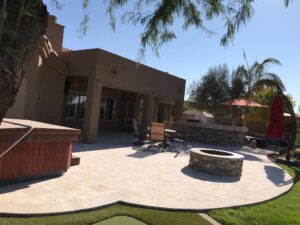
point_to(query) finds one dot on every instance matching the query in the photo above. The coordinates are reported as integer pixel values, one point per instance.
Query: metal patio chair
(181, 137)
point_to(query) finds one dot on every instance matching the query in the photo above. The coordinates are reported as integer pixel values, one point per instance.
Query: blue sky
(274, 31)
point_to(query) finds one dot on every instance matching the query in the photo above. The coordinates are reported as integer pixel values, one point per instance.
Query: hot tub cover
(41, 131)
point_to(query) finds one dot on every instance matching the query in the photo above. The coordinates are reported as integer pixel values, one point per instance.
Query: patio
(113, 170)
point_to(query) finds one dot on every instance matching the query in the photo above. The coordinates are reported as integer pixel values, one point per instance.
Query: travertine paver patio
(113, 170)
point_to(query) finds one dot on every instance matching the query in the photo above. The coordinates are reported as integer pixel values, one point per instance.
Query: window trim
(79, 95)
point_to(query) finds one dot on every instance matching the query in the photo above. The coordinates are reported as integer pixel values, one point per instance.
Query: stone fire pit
(216, 162)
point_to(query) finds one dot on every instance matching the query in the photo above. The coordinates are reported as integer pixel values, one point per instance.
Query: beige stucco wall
(121, 73)
(41, 95)
(104, 69)
(18, 109)
(26, 99)
(51, 99)
(80, 63)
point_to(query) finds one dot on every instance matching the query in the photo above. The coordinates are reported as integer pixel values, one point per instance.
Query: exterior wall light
(114, 71)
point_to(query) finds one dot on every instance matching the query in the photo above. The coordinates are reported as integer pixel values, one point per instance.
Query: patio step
(75, 160)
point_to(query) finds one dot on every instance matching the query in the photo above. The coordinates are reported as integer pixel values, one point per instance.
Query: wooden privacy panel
(34, 159)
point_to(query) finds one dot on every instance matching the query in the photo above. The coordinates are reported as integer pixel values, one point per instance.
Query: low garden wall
(214, 133)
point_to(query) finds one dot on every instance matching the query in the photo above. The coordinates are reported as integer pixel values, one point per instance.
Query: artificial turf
(123, 220)
(148, 216)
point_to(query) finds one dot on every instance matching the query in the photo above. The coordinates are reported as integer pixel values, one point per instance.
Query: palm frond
(260, 69)
(263, 83)
(276, 79)
(240, 73)
(269, 61)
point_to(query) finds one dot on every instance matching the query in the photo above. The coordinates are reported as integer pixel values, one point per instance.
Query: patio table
(170, 135)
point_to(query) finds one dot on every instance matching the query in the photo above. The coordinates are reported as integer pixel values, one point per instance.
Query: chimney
(55, 33)
(52, 19)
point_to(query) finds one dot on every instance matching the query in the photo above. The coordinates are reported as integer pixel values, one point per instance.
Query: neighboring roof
(197, 112)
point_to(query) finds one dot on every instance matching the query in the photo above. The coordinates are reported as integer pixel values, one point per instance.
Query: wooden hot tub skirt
(34, 160)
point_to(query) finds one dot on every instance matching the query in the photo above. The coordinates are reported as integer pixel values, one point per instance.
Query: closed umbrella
(276, 120)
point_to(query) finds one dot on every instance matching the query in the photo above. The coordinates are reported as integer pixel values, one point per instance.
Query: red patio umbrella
(276, 119)
(242, 102)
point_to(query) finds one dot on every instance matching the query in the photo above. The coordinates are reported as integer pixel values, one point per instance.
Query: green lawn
(148, 216)
(284, 210)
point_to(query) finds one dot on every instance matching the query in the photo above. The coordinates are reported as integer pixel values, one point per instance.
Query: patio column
(148, 109)
(178, 110)
(155, 109)
(137, 108)
(92, 111)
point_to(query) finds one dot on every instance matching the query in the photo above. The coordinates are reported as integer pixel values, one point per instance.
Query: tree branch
(2, 18)
(22, 2)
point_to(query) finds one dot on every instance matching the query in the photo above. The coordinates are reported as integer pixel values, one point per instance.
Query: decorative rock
(216, 162)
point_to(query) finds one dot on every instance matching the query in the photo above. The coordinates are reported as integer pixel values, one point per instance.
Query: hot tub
(45, 151)
(217, 162)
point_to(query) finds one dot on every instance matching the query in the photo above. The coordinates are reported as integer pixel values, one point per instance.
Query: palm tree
(22, 24)
(257, 76)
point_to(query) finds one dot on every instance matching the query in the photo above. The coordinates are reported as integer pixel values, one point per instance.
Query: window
(107, 108)
(163, 112)
(75, 105)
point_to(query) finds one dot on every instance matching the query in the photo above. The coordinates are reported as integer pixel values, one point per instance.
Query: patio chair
(139, 135)
(157, 135)
(181, 137)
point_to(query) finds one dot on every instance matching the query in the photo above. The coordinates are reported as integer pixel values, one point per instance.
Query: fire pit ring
(217, 162)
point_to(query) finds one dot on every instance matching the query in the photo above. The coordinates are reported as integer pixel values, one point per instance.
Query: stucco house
(93, 89)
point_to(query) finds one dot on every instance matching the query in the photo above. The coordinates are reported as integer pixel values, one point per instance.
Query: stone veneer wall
(215, 134)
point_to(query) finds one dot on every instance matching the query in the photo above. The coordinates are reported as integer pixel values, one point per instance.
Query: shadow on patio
(22, 184)
(208, 177)
(277, 176)
(106, 140)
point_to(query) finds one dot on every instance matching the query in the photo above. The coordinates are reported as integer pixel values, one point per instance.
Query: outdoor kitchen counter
(45, 151)
(215, 133)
